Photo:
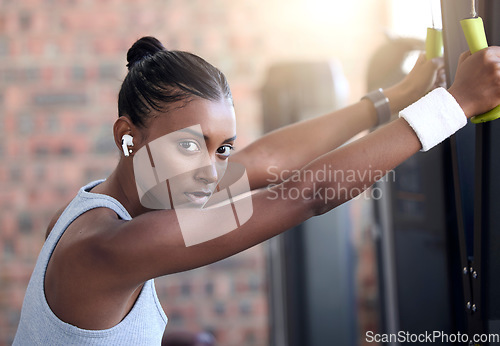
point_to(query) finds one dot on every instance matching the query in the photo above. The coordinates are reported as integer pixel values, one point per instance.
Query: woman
(154, 214)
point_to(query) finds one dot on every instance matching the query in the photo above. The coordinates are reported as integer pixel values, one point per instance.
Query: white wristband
(434, 117)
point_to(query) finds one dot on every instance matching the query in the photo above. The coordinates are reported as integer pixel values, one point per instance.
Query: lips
(198, 197)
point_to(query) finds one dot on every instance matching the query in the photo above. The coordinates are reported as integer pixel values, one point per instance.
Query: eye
(224, 151)
(189, 146)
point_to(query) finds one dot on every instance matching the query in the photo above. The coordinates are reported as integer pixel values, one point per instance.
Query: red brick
(14, 98)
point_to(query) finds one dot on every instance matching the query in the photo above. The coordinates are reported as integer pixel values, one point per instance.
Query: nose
(208, 174)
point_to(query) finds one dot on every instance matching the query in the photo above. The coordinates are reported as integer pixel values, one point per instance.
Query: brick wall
(61, 64)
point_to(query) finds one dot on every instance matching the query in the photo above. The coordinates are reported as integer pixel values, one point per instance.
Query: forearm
(401, 96)
(348, 171)
(422, 126)
(291, 147)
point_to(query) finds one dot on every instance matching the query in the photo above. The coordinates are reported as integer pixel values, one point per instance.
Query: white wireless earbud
(127, 141)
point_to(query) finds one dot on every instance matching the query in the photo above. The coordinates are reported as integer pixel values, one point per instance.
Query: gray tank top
(144, 324)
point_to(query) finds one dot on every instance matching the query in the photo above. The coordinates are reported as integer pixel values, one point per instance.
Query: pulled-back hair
(158, 77)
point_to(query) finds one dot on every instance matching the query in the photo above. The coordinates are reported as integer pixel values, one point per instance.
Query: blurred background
(61, 66)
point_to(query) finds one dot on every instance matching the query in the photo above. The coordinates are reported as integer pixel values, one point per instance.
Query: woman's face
(185, 154)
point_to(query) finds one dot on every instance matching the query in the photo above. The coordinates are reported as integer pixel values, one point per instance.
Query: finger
(441, 73)
(438, 62)
(463, 56)
(442, 80)
(421, 59)
(495, 50)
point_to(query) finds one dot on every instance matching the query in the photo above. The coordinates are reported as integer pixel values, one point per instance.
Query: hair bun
(143, 47)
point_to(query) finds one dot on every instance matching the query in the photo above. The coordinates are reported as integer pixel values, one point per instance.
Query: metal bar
(476, 326)
(473, 12)
(464, 259)
(389, 277)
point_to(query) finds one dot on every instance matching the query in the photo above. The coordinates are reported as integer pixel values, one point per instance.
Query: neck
(121, 186)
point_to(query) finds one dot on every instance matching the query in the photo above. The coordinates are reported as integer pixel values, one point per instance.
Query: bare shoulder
(80, 285)
(83, 244)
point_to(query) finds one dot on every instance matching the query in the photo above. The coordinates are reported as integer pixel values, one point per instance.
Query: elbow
(325, 197)
(320, 198)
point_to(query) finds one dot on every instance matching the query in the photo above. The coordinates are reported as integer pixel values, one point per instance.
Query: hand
(477, 81)
(425, 76)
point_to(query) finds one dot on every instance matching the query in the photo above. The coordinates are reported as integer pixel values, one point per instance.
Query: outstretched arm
(291, 147)
(126, 253)
(161, 249)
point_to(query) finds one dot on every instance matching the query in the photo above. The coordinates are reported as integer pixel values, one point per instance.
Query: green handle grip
(433, 43)
(473, 29)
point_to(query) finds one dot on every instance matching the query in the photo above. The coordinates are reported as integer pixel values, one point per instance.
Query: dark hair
(158, 77)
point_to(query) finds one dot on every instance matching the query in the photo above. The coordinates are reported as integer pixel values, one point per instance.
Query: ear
(123, 126)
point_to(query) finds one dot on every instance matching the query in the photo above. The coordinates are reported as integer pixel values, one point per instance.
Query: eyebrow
(206, 138)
